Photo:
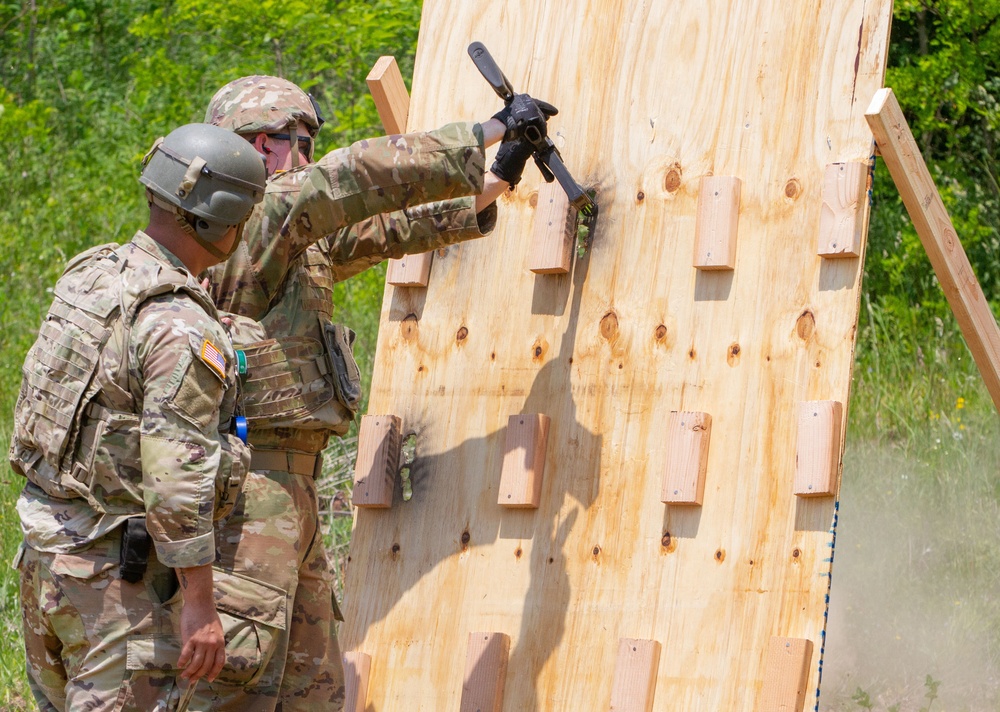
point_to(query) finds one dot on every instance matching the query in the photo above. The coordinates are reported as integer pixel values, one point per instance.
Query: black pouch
(346, 375)
(135, 550)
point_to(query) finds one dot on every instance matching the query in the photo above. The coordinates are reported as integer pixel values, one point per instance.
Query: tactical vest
(61, 426)
(306, 384)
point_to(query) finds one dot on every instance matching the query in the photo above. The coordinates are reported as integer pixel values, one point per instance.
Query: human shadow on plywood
(453, 535)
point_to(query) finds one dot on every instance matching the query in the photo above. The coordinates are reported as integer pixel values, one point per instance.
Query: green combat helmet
(208, 177)
(263, 104)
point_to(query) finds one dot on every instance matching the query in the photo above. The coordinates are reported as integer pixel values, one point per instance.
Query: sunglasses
(305, 142)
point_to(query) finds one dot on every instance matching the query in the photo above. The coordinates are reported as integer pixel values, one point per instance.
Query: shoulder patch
(213, 358)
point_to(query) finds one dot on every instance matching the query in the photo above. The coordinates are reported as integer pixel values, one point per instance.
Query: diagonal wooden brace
(934, 227)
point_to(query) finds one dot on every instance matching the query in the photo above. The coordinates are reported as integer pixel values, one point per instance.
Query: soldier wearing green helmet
(320, 223)
(123, 432)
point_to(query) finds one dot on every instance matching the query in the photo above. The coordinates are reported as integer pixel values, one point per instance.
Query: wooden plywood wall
(727, 599)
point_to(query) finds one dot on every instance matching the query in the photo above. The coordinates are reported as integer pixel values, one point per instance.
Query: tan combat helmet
(208, 177)
(263, 104)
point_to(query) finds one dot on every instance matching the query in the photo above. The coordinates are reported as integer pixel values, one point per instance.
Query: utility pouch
(346, 375)
(135, 550)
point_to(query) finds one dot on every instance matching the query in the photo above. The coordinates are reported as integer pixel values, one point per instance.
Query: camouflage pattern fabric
(149, 444)
(318, 225)
(273, 536)
(99, 643)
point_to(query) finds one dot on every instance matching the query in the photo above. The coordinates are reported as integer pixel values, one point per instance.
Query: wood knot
(733, 355)
(640, 196)
(408, 327)
(609, 326)
(672, 181)
(466, 538)
(538, 349)
(462, 334)
(793, 189)
(660, 333)
(805, 325)
(720, 555)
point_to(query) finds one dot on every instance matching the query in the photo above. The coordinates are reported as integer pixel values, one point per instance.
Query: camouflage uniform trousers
(78, 618)
(273, 535)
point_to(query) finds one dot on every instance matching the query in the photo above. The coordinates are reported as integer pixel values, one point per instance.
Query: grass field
(914, 619)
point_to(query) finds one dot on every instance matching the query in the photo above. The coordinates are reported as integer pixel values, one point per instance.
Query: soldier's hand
(526, 116)
(203, 644)
(510, 160)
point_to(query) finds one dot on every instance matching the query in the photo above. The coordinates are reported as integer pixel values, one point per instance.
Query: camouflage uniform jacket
(321, 224)
(120, 408)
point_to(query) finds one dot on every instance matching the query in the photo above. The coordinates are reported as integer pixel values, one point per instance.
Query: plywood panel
(652, 97)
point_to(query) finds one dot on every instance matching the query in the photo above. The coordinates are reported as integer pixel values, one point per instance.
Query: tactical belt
(296, 463)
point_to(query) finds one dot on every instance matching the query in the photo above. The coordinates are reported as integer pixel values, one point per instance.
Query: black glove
(510, 160)
(523, 112)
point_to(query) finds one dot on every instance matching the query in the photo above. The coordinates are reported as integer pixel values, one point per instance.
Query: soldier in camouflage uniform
(122, 431)
(320, 223)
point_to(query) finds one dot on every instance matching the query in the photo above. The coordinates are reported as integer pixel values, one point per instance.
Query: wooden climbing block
(357, 666)
(378, 461)
(485, 672)
(524, 461)
(410, 271)
(555, 227)
(785, 674)
(717, 223)
(635, 675)
(385, 83)
(817, 457)
(841, 222)
(688, 434)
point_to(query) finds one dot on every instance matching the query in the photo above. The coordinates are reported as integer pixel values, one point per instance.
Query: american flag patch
(214, 358)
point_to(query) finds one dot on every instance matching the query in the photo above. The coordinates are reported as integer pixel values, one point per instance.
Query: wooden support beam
(555, 229)
(378, 461)
(717, 223)
(688, 435)
(933, 225)
(357, 667)
(485, 672)
(635, 675)
(817, 457)
(385, 82)
(785, 674)
(524, 461)
(841, 223)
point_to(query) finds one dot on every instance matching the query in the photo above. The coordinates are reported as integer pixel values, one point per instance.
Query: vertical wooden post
(785, 674)
(688, 436)
(817, 457)
(393, 104)
(635, 675)
(933, 225)
(485, 672)
(555, 228)
(378, 461)
(357, 667)
(524, 461)
(717, 223)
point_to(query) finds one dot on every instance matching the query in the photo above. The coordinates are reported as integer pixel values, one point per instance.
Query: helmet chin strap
(181, 216)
